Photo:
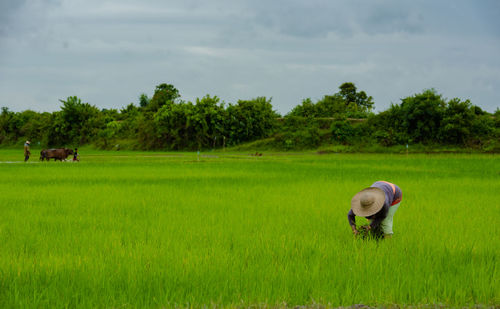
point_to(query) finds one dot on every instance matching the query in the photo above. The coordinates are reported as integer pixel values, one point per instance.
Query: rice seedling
(140, 229)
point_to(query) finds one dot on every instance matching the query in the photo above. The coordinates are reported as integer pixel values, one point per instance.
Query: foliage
(17, 127)
(350, 95)
(109, 134)
(429, 119)
(298, 133)
(164, 94)
(144, 100)
(165, 121)
(78, 122)
(342, 131)
(249, 120)
(422, 115)
(189, 126)
(345, 103)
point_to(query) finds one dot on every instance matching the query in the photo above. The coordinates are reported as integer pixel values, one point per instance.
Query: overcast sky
(109, 52)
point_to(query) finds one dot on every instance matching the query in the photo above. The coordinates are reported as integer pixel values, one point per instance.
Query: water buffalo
(56, 154)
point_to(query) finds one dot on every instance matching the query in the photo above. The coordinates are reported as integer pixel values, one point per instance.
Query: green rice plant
(155, 229)
(365, 232)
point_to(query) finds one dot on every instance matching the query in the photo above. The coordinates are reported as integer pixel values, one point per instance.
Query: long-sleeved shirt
(393, 195)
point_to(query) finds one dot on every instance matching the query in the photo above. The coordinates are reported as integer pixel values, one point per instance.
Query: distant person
(27, 152)
(378, 203)
(75, 155)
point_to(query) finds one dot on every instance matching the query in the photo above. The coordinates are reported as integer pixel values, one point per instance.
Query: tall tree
(422, 114)
(349, 92)
(144, 100)
(345, 103)
(164, 94)
(250, 120)
(78, 121)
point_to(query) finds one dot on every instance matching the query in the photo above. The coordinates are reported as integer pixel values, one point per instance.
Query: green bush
(298, 133)
(342, 132)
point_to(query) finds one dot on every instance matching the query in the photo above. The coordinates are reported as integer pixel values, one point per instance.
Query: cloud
(8, 10)
(24, 17)
(318, 18)
(108, 52)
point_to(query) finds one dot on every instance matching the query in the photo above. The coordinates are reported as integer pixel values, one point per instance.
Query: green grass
(138, 229)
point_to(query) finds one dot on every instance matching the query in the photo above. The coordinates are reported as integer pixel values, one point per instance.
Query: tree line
(166, 122)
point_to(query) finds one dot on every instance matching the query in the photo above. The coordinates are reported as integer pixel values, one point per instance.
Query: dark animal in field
(56, 154)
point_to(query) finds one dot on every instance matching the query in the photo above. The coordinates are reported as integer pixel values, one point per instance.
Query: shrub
(342, 132)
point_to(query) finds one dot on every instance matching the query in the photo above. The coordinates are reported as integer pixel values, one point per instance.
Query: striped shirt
(393, 193)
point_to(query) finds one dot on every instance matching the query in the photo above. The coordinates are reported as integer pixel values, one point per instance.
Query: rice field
(138, 229)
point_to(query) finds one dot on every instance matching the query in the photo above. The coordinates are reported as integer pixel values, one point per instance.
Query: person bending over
(378, 203)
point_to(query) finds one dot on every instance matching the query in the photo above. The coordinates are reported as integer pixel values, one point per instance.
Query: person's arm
(352, 221)
(379, 217)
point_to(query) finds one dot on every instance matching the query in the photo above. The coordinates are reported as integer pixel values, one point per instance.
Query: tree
(164, 94)
(5, 124)
(170, 125)
(342, 131)
(387, 126)
(130, 111)
(298, 133)
(250, 120)
(349, 94)
(333, 106)
(208, 121)
(34, 126)
(78, 121)
(422, 115)
(306, 109)
(144, 100)
(347, 103)
(166, 122)
(456, 125)
(107, 135)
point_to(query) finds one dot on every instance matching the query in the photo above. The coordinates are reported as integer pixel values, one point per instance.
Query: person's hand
(366, 227)
(354, 230)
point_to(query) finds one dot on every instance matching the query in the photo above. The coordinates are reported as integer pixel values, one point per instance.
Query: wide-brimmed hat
(368, 202)
(28, 142)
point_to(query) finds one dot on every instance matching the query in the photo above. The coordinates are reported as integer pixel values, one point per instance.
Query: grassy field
(173, 229)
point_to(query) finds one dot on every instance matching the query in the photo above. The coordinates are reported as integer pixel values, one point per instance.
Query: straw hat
(368, 202)
(28, 142)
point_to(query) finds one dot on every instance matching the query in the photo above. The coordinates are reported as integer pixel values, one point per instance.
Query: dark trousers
(26, 158)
